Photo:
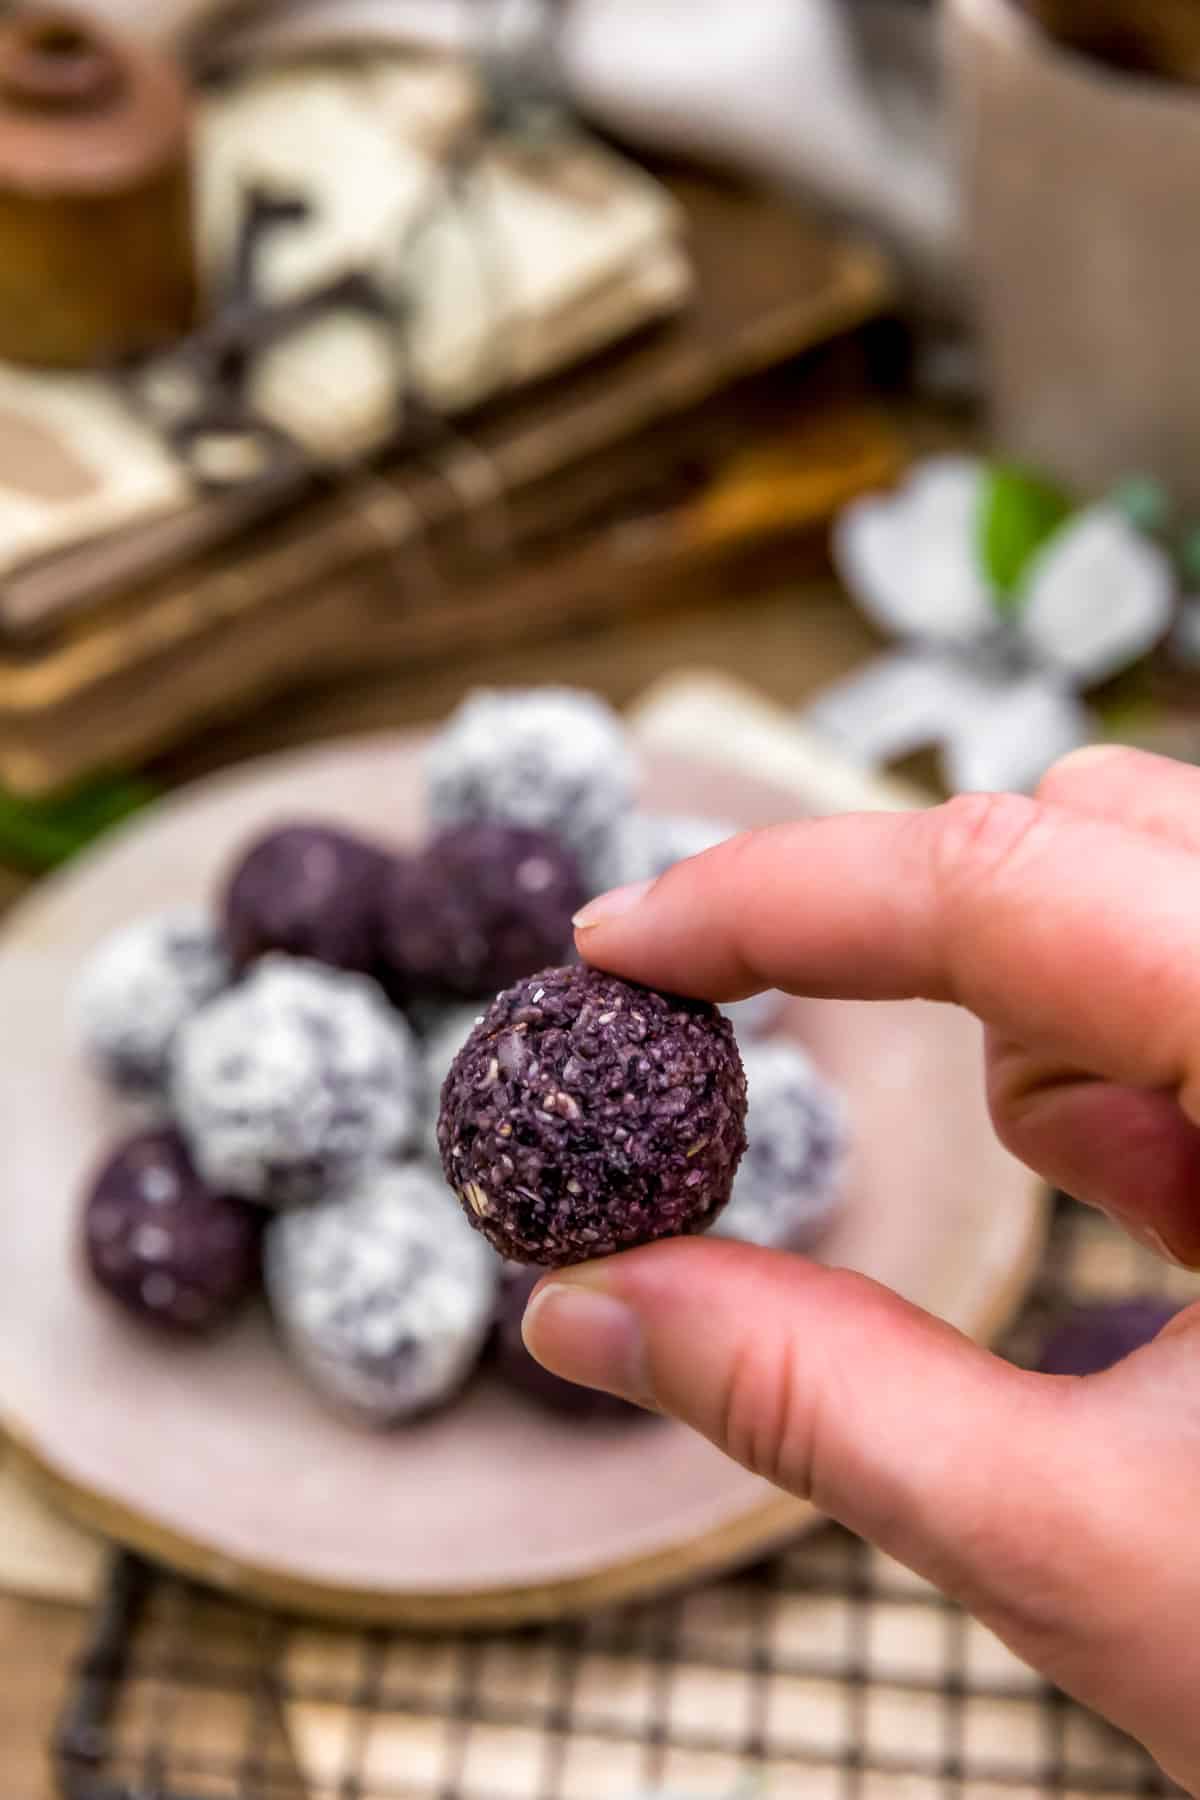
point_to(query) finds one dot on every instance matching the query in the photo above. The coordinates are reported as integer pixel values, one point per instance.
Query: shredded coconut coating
(555, 759)
(585, 1115)
(384, 1296)
(291, 1084)
(787, 1190)
(139, 986)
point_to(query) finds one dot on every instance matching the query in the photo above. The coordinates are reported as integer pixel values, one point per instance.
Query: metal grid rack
(827, 1673)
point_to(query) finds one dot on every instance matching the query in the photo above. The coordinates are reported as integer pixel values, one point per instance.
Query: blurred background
(817, 382)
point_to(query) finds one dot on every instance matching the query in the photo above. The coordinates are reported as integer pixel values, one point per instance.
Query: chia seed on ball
(585, 1115)
(291, 1084)
(481, 906)
(139, 986)
(554, 759)
(1095, 1338)
(385, 1296)
(523, 1373)
(164, 1246)
(786, 1192)
(308, 890)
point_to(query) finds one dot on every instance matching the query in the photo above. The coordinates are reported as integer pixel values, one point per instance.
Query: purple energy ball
(163, 1245)
(584, 1115)
(1093, 1338)
(481, 906)
(517, 1369)
(306, 890)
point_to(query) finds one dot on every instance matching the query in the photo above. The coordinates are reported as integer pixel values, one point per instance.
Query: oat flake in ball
(139, 986)
(585, 1115)
(554, 759)
(787, 1190)
(384, 1296)
(163, 1245)
(308, 890)
(289, 1085)
(482, 905)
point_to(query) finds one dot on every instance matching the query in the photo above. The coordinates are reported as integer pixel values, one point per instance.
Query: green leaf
(41, 834)
(1018, 513)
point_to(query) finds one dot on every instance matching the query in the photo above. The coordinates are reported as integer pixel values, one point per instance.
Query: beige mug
(1081, 187)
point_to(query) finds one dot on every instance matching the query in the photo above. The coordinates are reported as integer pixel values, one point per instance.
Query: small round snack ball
(553, 758)
(384, 1296)
(482, 905)
(1094, 1338)
(786, 1192)
(522, 1372)
(308, 890)
(289, 1085)
(441, 1047)
(164, 1246)
(585, 1115)
(139, 986)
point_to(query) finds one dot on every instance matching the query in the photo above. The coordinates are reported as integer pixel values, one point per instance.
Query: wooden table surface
(788, 641)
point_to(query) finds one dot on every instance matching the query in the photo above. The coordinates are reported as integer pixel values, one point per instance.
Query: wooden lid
(82, 109)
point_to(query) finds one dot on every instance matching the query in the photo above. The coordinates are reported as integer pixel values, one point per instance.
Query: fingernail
(587, 1336)
(611, 905)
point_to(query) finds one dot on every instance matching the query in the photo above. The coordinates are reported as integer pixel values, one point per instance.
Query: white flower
(994, 684)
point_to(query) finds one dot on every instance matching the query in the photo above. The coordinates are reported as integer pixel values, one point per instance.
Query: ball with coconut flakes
(139, 987)
(586, 1115)
(482, 905)
(788, 1189)
(553, 759)
(290, 1085)
(167, 1248)
(383, 1296)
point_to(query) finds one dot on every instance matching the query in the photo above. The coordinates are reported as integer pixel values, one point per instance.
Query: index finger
(1057, 929)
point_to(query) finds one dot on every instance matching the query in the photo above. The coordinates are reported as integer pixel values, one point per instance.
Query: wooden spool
(97, 254)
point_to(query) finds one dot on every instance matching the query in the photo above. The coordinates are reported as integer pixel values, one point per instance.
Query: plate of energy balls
(306, 1086)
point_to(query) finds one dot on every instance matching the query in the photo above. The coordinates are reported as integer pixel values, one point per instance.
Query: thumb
(1023, 1496)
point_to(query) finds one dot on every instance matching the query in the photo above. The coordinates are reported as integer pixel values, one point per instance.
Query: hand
(1064, 1513)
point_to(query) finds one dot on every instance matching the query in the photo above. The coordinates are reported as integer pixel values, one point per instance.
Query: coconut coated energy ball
(139, 986)
(308, 890)
(585, 1115)
(553, 759)
(291, 1084)
(384, 1296)
(165, 1247)
(481, 906)
(786, 1192)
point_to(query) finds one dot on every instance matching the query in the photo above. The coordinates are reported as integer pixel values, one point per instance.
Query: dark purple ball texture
(522, 1372)
(483, 905)
(163, 1245)
(584, 1115)
(306, 890)
(1094, 1338)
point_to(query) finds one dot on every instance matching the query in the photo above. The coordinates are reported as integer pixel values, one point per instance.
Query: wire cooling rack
(826, 1673)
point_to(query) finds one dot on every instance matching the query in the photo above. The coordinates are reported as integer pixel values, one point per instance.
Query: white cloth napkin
(838, 97)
